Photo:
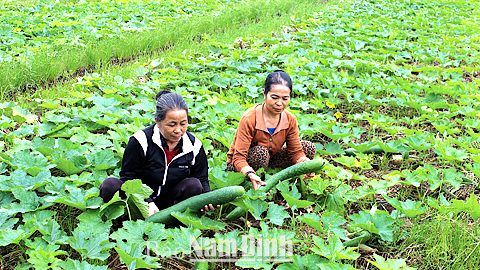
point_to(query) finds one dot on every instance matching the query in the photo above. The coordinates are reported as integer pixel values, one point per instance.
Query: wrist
(245, 169)
(249, 174)
(302, 159)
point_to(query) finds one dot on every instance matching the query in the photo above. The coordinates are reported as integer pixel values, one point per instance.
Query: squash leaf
(391, 264)
(202, 223)
(334, 250)
(136, 193)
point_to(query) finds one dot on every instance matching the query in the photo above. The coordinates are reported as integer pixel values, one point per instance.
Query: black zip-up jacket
(144, 158)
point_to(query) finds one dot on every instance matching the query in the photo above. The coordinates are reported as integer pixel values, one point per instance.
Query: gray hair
(166, 102)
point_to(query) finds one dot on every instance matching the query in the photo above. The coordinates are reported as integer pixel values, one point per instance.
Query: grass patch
(426, 109)
(441, 242)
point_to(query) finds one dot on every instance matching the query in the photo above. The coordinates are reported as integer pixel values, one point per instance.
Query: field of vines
(387, 90)
(25, 30)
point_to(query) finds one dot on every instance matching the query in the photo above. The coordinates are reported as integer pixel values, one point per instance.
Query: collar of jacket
(260, 121)
(187, 144)
(178, 146)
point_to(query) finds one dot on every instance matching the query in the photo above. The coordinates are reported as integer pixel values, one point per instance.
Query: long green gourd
(373, 150)
(294, 170)
(361, 238)
(216, 197)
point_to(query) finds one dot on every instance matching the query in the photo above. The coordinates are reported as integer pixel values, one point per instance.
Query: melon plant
(216, 197)
(294, 170)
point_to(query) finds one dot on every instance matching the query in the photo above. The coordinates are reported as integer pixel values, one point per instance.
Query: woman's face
(276, 100)
(173, 126)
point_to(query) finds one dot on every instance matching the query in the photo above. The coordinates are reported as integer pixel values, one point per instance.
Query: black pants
(169, 196)
(259, 157)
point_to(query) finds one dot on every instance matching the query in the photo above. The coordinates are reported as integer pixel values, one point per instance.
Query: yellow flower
(330, 105)
(357, 164)
(30, 119)
(338, 115)
(478, 115)
(17, 29)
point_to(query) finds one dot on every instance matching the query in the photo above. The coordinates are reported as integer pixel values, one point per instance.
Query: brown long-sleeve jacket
(252, 131)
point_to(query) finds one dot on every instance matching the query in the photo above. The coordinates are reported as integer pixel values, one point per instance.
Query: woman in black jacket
(165, 156)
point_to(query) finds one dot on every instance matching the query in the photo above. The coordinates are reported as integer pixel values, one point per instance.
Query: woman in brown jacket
(263, 130)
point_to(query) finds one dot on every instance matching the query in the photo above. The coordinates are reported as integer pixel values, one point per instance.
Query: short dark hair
(278, 77)
(167, 101)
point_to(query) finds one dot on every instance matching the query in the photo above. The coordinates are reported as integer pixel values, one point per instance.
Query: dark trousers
(258, 157)
(169, 196)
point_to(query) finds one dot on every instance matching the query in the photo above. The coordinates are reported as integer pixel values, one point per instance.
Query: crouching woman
(165, 156)
(268, 135)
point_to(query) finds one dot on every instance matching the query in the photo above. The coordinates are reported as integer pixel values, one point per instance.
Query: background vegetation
(387, 90)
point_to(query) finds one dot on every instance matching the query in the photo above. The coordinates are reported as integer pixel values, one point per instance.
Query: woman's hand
(152, 208)
(256, 181)
(308, 175)
(209, 207)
